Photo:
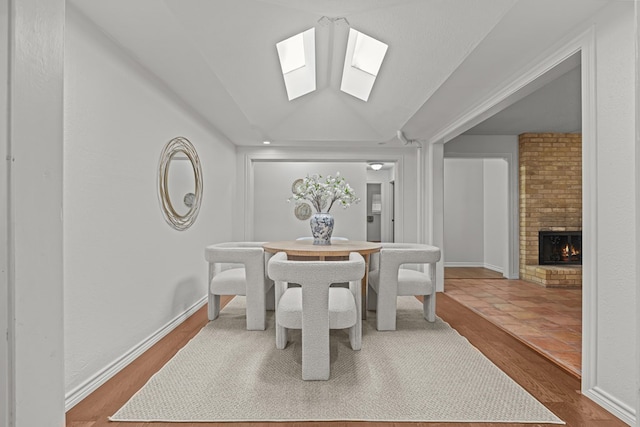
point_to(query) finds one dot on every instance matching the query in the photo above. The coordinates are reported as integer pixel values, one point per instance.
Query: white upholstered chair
(316, 307)
(239, 268)
(388, 280)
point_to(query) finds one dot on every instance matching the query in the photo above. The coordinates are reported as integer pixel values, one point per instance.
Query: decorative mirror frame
(184, 146)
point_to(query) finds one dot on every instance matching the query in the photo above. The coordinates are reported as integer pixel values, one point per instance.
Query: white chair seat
(342, 309)
(410, 282)
(230, 282)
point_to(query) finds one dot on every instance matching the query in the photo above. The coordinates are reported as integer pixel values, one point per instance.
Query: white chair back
(316, 306)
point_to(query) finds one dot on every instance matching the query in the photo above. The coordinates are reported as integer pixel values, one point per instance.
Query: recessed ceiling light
(266, 142)
(361, 64)
(297, 56)
(376, 166)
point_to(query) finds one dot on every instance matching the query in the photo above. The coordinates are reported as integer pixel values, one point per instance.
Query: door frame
(546, 67)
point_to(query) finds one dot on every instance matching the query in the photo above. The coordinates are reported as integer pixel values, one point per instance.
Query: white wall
(405, 176)
(498, 145)
(380, 176)
(127, 272)
(495, 189)
(274, 217)
(31, 199)
(464, 212)
(637, 126)
(616, 370)
(4, 220)
(475, 215)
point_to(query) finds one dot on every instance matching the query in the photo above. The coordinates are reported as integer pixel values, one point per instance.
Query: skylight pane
(362, 62)
(297, 56)
(368, 54)
(291, 53)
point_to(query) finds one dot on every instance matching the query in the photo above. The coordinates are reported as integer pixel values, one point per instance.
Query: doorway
(549, 319)
(476, 216)
(380, 201)
(374, 211)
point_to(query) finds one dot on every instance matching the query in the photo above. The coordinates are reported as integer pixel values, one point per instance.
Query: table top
(336, 248)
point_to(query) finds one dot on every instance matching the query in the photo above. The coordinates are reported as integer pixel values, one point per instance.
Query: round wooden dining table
(305, 249)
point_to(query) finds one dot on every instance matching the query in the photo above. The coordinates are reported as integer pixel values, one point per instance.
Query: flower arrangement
(324, 192)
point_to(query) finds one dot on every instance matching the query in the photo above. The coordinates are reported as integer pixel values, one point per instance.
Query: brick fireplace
(550, 201)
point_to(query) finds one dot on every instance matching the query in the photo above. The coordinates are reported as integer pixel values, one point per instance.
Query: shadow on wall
(187, 292)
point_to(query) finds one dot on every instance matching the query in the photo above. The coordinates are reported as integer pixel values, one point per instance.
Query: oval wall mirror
(180, 183)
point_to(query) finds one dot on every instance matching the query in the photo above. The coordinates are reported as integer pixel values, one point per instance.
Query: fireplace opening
(560, 247)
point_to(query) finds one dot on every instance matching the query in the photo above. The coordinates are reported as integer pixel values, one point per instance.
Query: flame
(570, 251)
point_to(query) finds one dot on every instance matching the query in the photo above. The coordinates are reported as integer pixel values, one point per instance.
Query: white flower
(325, 192)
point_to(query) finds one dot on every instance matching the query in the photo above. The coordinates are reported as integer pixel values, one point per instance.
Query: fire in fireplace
(560, 247)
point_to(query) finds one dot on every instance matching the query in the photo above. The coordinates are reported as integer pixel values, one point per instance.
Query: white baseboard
(494, 268)
(474, 264)
(621, 410)
(74, 396)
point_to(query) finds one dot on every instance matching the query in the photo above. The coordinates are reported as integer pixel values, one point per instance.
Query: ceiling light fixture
(361, 64)
(266, 142)
(297, 56)
(376, 166)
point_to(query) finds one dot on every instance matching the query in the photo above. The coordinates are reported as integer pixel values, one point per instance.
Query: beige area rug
(421, 372)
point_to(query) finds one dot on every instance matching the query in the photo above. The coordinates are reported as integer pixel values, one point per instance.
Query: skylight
(362, 63)
(298, 63)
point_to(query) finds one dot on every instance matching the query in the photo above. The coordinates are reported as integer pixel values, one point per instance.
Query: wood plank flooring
(552, 386)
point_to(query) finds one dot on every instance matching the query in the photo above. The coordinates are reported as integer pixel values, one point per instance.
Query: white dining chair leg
(429, 307)
(214, 306)
(281, 337)
(355, 332)
(372, 299)
(315, 334)
(256, 311)
(271, 294)
(271, 299)
(386, 311)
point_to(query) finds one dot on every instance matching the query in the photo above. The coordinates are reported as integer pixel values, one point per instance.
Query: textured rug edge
(297, 420)
(557, 421)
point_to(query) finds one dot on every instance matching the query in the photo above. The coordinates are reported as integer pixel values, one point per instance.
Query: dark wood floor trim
(551, 385)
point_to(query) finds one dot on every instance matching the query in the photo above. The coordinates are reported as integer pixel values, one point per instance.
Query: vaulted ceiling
(219, 57)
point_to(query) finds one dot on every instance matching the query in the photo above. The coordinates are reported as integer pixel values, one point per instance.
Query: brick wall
(550, 190)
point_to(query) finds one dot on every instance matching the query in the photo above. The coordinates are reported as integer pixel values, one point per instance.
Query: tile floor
(547, 319)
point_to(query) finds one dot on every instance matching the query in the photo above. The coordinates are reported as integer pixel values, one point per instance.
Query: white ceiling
(220, 58)
(555, 107)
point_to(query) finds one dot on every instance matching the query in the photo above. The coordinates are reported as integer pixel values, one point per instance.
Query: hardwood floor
(471, 273)
(557, 390)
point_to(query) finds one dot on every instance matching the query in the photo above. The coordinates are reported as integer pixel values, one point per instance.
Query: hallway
(549, 320)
